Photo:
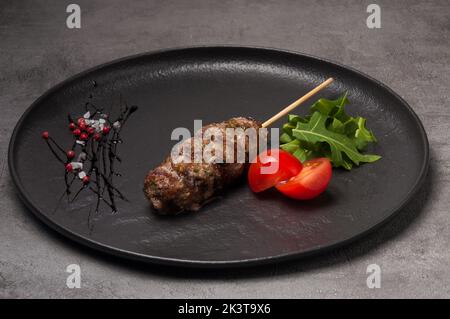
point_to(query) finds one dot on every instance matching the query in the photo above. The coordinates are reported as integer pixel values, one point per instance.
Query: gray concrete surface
(410, 53)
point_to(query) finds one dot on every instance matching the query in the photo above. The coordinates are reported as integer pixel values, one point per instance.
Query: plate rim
(122, 253)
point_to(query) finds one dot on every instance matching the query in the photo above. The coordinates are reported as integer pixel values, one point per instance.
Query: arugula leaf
(285, 138)
(328, 131)
(362, 135)
(332, 108)
(315, 131)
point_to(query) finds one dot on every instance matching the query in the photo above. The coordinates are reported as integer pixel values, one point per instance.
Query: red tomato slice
(260, 179)
(310, 182)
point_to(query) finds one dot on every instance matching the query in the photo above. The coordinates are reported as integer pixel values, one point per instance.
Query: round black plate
(172, 88)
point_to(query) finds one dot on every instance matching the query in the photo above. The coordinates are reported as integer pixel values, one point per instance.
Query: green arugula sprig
(328, 131)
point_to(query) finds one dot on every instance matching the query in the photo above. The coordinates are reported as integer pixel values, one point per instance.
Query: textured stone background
(410, 53)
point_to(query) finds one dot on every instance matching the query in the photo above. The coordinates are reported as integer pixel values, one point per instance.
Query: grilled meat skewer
(175, 187)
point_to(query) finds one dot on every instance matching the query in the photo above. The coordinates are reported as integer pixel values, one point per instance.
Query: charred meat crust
(175, 187)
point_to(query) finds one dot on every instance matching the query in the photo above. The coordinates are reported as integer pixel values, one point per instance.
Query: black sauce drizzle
(95, 146)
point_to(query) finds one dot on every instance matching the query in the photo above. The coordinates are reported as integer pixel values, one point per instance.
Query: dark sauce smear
(90, 161)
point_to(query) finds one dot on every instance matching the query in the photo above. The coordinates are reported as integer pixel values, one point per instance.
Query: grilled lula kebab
(187, 186)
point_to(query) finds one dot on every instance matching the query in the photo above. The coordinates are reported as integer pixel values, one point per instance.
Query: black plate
(172, 88)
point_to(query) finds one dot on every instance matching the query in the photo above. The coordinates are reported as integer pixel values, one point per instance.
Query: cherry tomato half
(288, 166)
(311, 182)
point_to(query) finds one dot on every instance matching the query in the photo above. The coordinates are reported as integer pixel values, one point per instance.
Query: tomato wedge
(312, 180)
(260, 179)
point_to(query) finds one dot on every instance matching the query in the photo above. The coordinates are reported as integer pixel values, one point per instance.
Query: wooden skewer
(292, 106)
